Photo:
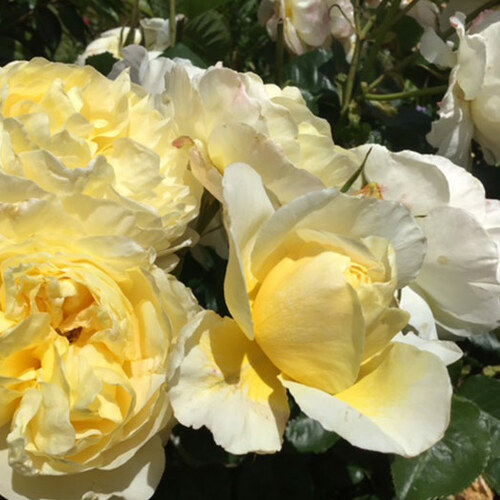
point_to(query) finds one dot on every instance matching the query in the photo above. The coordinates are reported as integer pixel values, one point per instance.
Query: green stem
(380, 35)
(280, 52)
(382, 5)
(404, 95)
(173, 24)
(398, 67)
(134, 22)
(349, 86)
(356, 58)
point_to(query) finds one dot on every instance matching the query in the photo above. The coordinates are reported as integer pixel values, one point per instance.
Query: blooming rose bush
(311, 289)
(338, 269)
(71, 131)
(86, 324)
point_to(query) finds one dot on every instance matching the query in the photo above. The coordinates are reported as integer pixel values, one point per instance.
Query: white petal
(471, 59)
(435, 50)
(448, 352)
(459, 276)
(408, 177)
(452, 133)
(466, 191)
(421, 317)
(224, 381)
(402, 406)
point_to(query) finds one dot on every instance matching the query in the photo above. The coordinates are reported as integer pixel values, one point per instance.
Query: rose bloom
(311, 289)
(221, 116)
(72, 131)
(460, 278)
(306, 23)
(470, 108)
(309, 24)
(86, 324)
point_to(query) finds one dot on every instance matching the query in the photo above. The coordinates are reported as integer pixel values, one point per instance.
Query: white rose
(110, 41)
(471, 107)
(305, 22)
(459, 279)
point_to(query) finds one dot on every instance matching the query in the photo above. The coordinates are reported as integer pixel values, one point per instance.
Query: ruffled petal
(137, 479)
(224, 381)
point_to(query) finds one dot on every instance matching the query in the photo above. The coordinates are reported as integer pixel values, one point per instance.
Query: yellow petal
(308, 320)
(400, 405)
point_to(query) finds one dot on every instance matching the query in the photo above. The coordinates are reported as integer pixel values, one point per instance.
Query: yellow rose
(86, 324)
(311, 289)
(72, 131)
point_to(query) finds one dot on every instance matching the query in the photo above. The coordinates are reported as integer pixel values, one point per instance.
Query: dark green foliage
(451, 465)
(193, 8)
(102, 62)
(181, 50)
(307, 436)
(208, 35)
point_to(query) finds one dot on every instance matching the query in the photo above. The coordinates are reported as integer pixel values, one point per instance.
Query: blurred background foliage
(385, 99)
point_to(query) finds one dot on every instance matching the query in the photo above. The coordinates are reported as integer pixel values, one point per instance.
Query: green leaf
(181, 50)
(451, 465)
(484, 391)
(102, 62)
(72, 21)
(408, 33)
(487, 347)
(308, 436)
(309, 71)
(209, 36)
(193, 8)
(110, 9)
(492, 474)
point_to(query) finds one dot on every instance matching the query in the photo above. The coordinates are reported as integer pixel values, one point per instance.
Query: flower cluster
(348, 271)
